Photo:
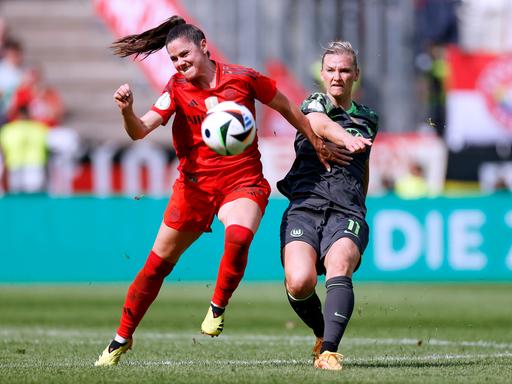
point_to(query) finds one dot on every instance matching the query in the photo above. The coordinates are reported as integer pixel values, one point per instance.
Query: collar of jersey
(352, 108)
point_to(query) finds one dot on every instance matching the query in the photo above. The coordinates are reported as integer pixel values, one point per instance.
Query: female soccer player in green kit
(323, 230)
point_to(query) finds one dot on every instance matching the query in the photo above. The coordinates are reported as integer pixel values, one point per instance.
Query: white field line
(428, 358)
(277, 362)
(360, 360)
(88, 337)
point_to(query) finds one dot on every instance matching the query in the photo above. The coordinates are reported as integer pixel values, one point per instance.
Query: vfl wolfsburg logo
(354, 132)
(296, 232)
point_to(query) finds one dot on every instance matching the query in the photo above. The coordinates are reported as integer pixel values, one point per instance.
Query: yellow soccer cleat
(111, 356)
(316, 348)
(212, 326)
(329, 360)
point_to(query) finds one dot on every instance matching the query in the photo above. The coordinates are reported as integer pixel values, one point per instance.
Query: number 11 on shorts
(354, 227)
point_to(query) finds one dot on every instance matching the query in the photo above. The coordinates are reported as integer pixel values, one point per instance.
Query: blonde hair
(339, 48)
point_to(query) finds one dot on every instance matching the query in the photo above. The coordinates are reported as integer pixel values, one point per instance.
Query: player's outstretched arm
(324, 127)
(296, 118)
(137, 128)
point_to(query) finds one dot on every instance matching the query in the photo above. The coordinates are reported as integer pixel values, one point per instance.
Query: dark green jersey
(343, 186)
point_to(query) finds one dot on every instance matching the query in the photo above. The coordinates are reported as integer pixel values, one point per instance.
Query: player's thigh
(300, 246)
(342, 258)
(245, 204)
(299, 260)
(344, 240)
(242, 211)
(171, 243)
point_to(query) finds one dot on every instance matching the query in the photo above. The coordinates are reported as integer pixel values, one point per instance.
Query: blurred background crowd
(438, 72)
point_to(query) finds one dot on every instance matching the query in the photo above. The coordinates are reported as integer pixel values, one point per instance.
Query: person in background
(24, 146)
(231, 187)
(323, 230)
(11, 74)
(43, 101)
(2, 173)
(412, 185)
(45, 105)
(3, 36)
(437, 26)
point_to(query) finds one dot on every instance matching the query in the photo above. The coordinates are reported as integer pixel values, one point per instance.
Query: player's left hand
(328, 152)
(339, 155)
(323, 153)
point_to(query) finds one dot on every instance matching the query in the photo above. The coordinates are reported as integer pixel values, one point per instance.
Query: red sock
(232, 265)
(142, 292)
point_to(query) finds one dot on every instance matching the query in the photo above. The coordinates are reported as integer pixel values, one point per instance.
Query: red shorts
(195, 202)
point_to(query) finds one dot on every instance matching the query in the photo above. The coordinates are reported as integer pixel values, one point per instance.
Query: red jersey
(190, 104)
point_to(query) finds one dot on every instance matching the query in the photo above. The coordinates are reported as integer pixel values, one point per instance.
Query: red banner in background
(127, 17)
(479, 98)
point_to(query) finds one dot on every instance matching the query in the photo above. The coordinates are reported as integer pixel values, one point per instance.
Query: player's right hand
(123, 97)
(356, 144)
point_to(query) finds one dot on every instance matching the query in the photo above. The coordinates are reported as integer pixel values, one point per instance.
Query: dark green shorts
(320, 223)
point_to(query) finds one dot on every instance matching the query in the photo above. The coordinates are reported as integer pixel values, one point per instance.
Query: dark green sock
(339, 304)
(310, 312)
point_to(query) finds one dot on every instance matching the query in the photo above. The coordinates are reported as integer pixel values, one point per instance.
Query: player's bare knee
(168, 251)
(300, 286)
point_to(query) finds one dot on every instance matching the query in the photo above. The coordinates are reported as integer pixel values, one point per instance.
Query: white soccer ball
(228, 128)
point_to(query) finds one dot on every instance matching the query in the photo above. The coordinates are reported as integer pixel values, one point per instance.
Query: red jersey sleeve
(165, 105)
(265, 88)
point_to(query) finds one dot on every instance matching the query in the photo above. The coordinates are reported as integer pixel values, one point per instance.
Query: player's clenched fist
(123, 96)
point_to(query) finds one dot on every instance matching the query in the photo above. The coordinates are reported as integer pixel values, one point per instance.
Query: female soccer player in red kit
(231, 187)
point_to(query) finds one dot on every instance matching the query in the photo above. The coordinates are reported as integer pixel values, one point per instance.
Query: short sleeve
(314, 103)
(265, 88)
(165, 105)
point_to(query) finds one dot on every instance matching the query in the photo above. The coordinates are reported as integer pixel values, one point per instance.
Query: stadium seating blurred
(406, 78)
(70, 44)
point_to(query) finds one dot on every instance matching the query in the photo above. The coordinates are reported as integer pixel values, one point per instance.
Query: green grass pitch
(399, 333)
